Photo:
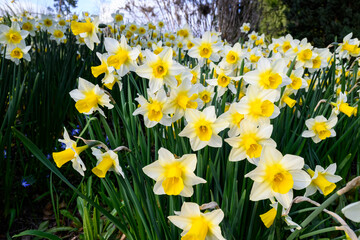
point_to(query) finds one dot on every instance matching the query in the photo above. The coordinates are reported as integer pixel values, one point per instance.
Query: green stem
(314, 214)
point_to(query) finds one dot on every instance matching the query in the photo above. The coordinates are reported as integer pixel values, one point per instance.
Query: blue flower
(63, 145)
(75, 131)
(24, 183)
(5, 153)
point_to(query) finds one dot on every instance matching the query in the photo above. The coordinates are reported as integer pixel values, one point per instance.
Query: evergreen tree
(320, 21)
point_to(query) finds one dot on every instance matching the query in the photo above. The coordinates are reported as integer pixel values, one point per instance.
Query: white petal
(301, 179)
(260, 191)
(352, 211)
(292, 162)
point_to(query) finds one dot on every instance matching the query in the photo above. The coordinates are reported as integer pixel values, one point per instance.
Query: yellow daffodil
(277, 175)
(88, 97)
(173, 176)
(203, 128)
(197, 225)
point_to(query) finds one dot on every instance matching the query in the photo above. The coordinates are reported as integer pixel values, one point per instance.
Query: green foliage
(273, 19)
(320, 21)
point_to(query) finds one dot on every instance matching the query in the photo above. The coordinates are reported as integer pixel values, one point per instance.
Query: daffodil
(12, 36)
(107, 161)
(252, 140)
(103, 68)
(71, 153)
(181, 98)
(160, 69)
(297, 80)
(232, 56)
(245, 27)
(18, 52)
(58, 35)
(323, 180)
(173, 176)
(122, 56)
(88, 97)
(205, 48)
(341, 105)
(205, 94)
(258, 104)
(269, 217)
(277, 175)
(198, 225)
(349, 47)
(155, 110)
(305, 55)
(222, 81)
(203, 128)
(29, 26)
(320, 128)
(87, 30)
(268, 75)
(234, 118)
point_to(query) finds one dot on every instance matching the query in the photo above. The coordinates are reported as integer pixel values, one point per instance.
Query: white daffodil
(18, 52)
(341, 105)
(87, 30)
(198, 225)
(320, 128)
(173, 176)
(103, 68)
(203, 128)
(269, 217)
(160, 69)
(12, 36)
(252, 140)
(107, 161)
(323, 180)
(155, 110)
(234, 118)
(277, 175)
(206, 48)
(349, 47)
(181, 98)
(88, 97)
(205, 94)
(122, 56)
(268, 75)
(258, 104)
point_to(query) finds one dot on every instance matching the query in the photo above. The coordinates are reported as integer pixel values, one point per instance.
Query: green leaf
(37, 233)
